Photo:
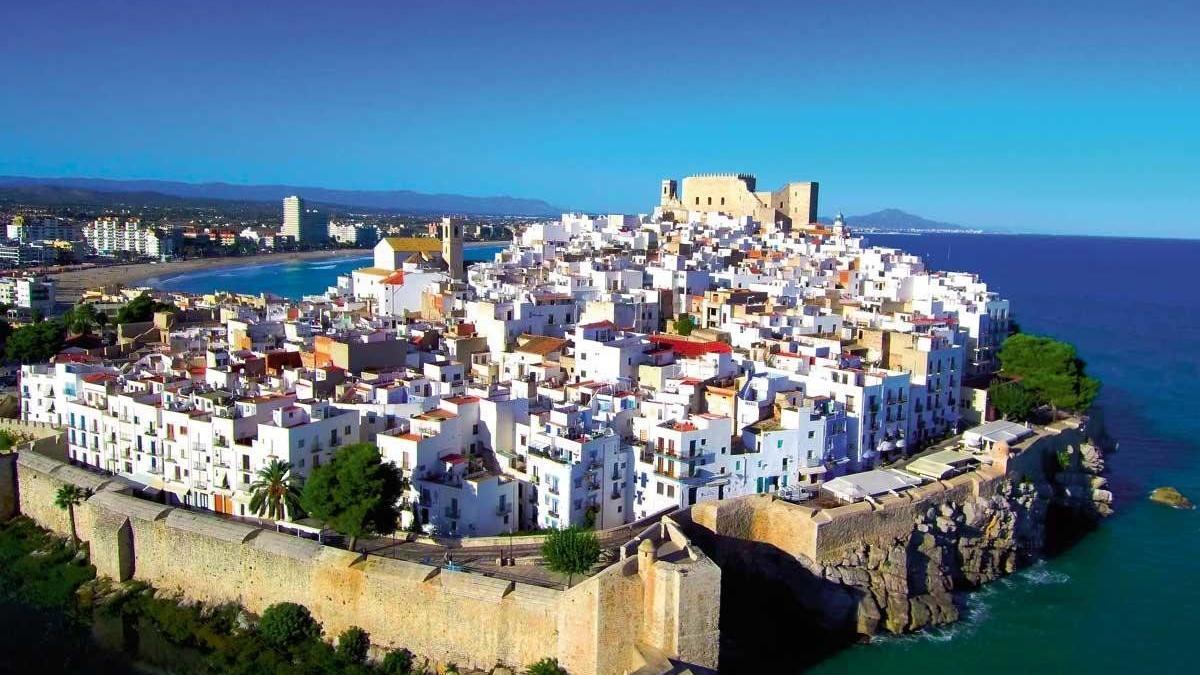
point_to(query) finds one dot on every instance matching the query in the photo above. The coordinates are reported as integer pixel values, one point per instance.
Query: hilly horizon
(106, 192)
(59, 190)
(896, 219)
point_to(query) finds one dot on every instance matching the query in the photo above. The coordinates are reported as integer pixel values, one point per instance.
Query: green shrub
(397, 662)
(546, 667)
(39, 568)
(353, 644)
(286, 624)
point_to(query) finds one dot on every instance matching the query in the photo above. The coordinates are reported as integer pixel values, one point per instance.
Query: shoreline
(73, 283)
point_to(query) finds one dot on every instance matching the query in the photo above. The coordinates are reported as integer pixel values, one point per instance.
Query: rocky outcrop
(1079, 487)
(911, 582)
(1171, 497)
(902, 562)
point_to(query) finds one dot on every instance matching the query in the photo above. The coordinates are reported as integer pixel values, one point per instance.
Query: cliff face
(902, 563)
(909, 582)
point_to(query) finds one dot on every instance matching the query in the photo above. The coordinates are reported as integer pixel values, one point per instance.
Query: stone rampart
(608, 623)
(824, 534)
(892, 564)
(8, 486)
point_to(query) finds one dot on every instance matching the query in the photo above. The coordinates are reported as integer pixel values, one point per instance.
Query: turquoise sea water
(1125, 598)
(290, 279)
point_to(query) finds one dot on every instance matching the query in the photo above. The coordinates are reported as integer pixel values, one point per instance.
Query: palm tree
(68, 497)
(276, 493)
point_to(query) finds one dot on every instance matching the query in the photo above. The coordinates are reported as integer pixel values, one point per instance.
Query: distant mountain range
(102, 191)
(895, 220)
(158, 193)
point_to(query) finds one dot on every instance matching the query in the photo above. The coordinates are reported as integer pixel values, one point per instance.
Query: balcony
(452, 513)
(447, 479)
(549, 453)
(503, 509)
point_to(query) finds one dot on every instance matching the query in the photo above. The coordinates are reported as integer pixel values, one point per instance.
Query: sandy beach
(72, 283)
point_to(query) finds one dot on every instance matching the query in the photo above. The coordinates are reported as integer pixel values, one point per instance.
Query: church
(404, 266)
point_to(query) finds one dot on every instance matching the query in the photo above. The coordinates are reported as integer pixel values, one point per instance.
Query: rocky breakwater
(901, 562)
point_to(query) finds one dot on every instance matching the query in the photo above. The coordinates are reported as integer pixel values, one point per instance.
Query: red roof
(690, 348)
(395, 279)
(97, 378)
(454, 458)
(600, 324)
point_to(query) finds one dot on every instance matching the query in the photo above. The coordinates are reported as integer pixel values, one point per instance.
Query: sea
(1123, 599)
(292, 279)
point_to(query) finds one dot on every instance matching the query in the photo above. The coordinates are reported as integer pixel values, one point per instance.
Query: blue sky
(1043, 116)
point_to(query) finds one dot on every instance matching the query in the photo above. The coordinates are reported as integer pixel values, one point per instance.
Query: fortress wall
(824, 535)
(465, 618)
(892, 518)
(8, 486)
(789, 527)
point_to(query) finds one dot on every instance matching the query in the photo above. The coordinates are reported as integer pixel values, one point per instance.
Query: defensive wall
(657, 605)
(823, 534)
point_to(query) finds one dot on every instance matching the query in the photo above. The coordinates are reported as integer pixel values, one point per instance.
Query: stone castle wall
(894, 565)
(617, 621)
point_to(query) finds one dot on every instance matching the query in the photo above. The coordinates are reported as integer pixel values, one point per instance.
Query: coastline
(72, 283)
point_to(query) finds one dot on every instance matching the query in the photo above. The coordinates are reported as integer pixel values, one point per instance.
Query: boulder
(1171, 497)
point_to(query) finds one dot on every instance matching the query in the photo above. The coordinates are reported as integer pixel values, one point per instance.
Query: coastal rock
(1171, 497)
(1091, 459)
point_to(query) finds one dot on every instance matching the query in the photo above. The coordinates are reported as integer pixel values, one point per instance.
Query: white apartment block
(111, 235)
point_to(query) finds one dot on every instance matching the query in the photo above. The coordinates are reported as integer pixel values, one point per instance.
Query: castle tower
(452, 247)
(670, 193)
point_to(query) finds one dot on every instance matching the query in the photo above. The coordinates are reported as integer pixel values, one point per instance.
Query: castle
(793, 205)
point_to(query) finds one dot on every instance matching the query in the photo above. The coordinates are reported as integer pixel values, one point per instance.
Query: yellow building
(737, 195)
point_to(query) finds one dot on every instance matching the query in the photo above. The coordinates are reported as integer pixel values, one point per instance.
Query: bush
(353, 644)
(397, 662)
(546, 667)
(286, 624)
